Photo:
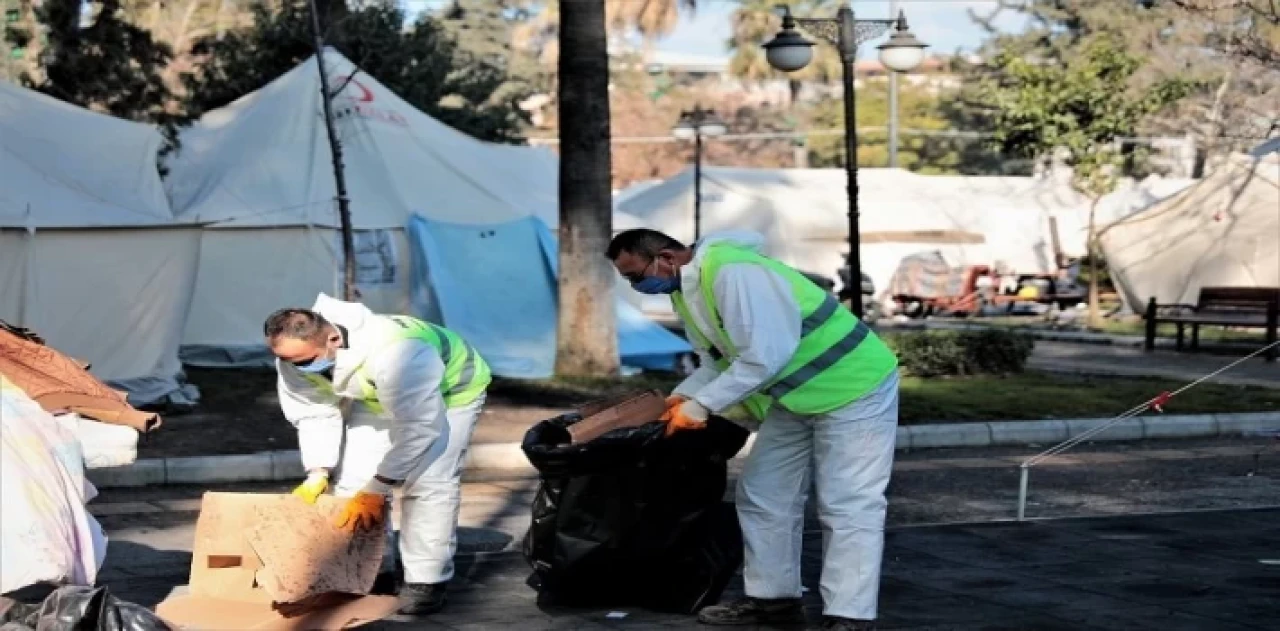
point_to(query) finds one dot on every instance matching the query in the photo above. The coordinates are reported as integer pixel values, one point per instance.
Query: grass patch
(1036, 396)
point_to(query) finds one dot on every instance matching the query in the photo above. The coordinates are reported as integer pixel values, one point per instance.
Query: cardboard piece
(630, 410)
(267, 561)
(325, 560)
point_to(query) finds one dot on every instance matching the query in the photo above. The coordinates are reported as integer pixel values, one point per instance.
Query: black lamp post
(695, 124)
(790, 51)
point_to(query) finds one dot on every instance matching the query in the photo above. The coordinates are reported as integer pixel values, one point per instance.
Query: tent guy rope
(1157, 403)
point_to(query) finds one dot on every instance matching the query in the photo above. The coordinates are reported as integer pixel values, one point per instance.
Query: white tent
(1223, 231)
(89, 253)
(258, 174)
(803, 214)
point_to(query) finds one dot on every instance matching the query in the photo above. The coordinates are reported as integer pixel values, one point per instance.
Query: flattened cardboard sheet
(198, 612)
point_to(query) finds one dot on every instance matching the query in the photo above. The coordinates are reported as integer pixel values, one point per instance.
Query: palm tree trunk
(586, 338)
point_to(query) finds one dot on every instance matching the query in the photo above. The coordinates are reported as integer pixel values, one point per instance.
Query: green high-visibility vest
(839, 359)
(466, 375)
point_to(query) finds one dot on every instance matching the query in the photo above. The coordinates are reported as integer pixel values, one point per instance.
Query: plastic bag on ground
(46, 535)
(81, 609)
(633, 518)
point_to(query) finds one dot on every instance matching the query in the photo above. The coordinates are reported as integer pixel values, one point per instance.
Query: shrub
(938, 353)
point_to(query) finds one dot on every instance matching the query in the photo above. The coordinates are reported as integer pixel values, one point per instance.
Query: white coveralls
(847, 453)
(418, 440)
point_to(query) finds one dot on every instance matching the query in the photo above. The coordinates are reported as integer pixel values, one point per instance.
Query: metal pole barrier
(1022, 492)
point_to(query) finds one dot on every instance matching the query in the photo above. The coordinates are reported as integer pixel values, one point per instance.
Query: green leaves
(450, 68)
(1080, 107)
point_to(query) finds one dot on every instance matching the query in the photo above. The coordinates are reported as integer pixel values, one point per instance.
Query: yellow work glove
(685, 416)
(312, 487)
(365, 511)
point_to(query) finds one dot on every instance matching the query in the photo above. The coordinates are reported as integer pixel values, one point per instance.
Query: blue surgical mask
(656, 285)
(317, 366)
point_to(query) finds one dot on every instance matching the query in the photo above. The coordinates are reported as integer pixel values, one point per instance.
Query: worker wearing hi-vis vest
(390, 402)
(825, 390)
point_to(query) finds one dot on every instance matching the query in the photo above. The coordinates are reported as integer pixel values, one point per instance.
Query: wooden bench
(1244, 307)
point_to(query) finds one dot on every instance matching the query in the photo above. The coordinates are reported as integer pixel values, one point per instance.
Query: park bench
(1242, 307)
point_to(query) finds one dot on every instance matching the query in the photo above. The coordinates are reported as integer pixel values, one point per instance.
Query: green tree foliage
(426, 64)
(91, 56)
(919, 108)
(1075, 110)
(1216, 47)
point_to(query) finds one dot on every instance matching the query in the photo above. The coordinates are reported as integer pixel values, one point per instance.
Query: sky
(942, 24)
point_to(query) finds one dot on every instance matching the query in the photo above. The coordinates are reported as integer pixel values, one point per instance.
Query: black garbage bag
(633, 518)
(76, 608)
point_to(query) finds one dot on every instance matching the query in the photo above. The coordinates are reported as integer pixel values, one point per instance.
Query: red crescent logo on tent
(365, 95)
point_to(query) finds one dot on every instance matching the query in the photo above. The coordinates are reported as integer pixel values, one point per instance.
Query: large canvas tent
(1223, 231)
(258, 175)
(803, 214)
(89, 254)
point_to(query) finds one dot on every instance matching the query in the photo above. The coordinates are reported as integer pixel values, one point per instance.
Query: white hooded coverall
(847, 454)
(418, 440)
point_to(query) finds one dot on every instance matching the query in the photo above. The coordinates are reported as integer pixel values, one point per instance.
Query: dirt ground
(239, 411)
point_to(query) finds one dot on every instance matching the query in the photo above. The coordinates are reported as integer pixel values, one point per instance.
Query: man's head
(303, 338)
(649, 259)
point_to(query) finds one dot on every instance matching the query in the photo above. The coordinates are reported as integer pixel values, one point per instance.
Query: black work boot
(835, 623)
(754, 611)
(420, 599)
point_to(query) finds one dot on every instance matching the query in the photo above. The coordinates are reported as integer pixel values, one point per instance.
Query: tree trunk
(586, 336)
(1095, 321)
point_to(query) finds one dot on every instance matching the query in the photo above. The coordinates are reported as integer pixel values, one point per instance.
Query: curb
(508, 458)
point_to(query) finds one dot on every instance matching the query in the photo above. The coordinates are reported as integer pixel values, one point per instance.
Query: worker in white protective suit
(389, 402)
(825, 389)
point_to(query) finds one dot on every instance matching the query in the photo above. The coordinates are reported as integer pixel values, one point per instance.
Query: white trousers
(847, 455)
(431, 496)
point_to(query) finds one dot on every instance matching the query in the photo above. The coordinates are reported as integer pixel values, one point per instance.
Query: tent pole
(335, 148)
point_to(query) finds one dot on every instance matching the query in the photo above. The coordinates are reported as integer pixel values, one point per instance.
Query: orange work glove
(687, 415)
(365, 511)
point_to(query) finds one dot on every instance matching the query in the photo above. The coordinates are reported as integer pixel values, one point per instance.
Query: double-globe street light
(789, 51)
(695, 124)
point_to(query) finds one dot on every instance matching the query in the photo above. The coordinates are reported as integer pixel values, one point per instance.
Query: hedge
(940, 353)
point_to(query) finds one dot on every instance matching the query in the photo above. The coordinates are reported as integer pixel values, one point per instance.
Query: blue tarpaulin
(495, 285)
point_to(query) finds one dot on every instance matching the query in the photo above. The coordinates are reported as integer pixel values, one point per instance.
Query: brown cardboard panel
(631, 410)
(261, 548)
(304, 554)
(334, 611)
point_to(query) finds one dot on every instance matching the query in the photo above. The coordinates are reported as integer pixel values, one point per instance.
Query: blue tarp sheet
(495, 285)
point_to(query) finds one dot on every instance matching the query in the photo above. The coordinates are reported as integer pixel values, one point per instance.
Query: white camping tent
(89, 253)
(803, 214)
(258, 174)
(1223, 231)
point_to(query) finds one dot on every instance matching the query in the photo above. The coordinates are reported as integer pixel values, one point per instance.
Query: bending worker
(826, 390)
(404, 395)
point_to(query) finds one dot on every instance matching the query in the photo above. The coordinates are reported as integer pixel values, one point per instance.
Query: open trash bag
(633, 518)
(79, 608)
(46, 535)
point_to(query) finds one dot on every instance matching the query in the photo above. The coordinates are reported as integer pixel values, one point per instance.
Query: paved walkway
(1195, 571)
(1120, 360)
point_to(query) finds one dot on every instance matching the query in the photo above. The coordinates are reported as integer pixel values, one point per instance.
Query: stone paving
(1197, 570)
(1201, 571)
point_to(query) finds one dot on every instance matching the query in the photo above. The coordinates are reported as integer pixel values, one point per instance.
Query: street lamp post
(789, 51)
(695, 124)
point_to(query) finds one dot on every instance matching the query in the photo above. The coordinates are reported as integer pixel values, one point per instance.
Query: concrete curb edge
(278, 466)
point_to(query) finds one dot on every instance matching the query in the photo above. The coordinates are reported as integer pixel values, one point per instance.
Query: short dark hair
(296, 324)
(641, 241)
